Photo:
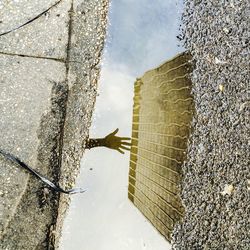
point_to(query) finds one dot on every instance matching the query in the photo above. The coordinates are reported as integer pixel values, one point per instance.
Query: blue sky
(141, 35)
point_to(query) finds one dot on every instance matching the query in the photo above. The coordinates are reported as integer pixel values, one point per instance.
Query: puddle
(141, 36)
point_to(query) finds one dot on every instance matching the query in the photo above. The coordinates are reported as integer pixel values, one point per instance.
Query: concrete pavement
(49, 63)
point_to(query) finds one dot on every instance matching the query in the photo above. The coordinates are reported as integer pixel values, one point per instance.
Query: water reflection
(162, 113)
(142, 35)
(111, 141)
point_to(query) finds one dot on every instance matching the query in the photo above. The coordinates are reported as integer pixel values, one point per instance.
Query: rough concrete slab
(46, 102)
(17, 13)
(46, 36)
(26, 85)
(25, 99)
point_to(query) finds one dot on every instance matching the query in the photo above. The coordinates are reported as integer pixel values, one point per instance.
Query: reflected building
(162, 113)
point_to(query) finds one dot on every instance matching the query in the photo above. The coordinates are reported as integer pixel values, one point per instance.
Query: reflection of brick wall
(161, 125)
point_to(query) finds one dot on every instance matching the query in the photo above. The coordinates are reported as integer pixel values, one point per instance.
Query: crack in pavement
(30, 21)
(31, 56)
(42, 57)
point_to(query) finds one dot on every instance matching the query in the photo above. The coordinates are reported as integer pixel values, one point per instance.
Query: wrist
(96, 142)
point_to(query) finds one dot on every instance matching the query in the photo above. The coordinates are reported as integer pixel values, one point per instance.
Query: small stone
(228, 189)
(244, 105)
(226, 30)
(218, 61)
(221, 88)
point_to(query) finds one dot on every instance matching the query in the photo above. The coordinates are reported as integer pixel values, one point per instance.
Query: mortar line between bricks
(31, 20)
(31, 56)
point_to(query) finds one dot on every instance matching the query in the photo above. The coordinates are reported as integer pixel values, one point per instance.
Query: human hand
(117, 143)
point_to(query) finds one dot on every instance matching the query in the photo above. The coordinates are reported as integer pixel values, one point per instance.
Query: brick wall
(162, 114)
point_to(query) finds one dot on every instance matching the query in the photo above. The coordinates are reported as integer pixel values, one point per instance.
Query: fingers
(126, 143)
(115, 131)
(125, 138)
(119, 150)
(125, 148)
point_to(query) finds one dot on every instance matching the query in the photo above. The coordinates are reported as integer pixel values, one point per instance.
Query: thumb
(115, 131)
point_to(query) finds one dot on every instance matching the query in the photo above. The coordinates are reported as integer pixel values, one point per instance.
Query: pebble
(228, 189)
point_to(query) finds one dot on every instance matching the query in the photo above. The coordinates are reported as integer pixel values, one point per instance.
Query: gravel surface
(216, 181)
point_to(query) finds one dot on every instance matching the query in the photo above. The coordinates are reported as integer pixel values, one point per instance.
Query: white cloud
(143, 32)
(114, 103)
(115, 90)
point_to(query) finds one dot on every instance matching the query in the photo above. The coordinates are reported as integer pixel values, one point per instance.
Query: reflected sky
(141, 35)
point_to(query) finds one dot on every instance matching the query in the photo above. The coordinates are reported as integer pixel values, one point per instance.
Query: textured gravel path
(216, 184)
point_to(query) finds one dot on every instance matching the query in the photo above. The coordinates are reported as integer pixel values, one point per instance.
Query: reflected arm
(97, 142)
(110, 141)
